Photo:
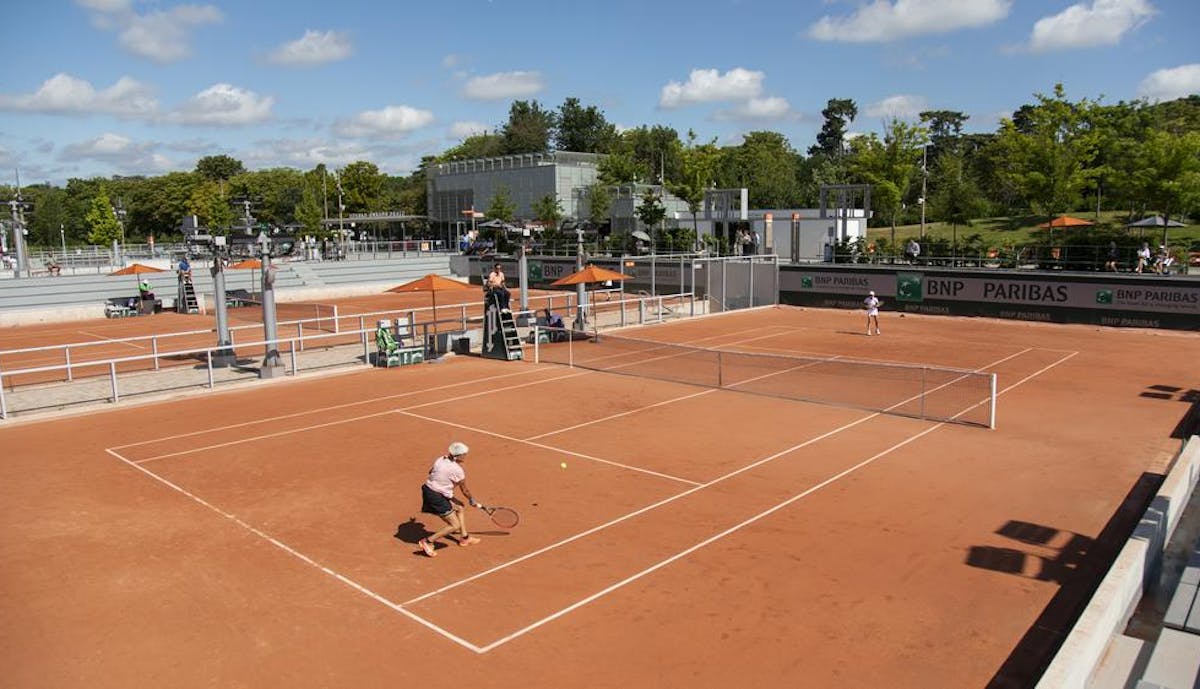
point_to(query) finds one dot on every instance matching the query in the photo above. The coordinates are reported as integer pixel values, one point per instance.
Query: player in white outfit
(872, 304)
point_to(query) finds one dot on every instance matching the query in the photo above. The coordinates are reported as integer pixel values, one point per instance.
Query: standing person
(496, 283)
(437, 497)
(872, 305)
(1143, 257)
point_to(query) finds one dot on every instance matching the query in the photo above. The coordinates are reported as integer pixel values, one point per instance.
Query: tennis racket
(503, 517)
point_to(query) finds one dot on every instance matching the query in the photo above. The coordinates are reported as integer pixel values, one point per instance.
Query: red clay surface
(264, 537)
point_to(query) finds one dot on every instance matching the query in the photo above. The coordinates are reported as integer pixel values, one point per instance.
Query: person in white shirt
(437, 497)
(1143, 257)
(872, 305)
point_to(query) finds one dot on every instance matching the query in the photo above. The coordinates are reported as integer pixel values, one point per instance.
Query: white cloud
(883, 21)
(1104, 22)
(389, 122)
(223, 105)
(772, 108)
(452, 60)
(121, 152)
(160, 35)
(313, 48)
(1171, 83)
(503, 85)
(901, 107)
(461, 130)
(305, 153)
(709, 85)
(66, 94)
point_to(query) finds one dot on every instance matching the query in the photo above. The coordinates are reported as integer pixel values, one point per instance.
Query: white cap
(458, 449)
(872, 293)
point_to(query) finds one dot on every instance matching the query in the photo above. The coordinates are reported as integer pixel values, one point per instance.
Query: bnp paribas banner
(914, 288)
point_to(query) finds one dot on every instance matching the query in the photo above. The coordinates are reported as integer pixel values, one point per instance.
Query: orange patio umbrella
(1066, 221)
(433, 284)
(591, 275)
(136, 269)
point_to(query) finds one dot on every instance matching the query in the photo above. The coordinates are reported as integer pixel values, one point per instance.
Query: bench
(401, 356)
(123, 307)
(1183, 612)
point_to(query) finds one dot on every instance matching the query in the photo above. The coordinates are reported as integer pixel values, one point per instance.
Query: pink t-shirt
(444, 474)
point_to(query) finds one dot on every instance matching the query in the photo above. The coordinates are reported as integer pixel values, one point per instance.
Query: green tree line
(1053, 155)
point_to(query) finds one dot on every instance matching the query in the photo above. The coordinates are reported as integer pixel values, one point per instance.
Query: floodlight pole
(18, 228)
(580, 290)
(523, 269)
(924, 180)
(271, 365)
(224, 356)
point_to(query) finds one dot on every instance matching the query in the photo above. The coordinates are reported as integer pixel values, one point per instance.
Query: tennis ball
(563, 465)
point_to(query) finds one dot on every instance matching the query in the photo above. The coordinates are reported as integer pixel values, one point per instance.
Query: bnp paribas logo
(908, 287)
(806, 282)
(1104, 296)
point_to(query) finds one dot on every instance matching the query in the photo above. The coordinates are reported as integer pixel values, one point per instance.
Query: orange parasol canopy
(1066, 221)
(137, 269)
(246, 264)
(433, 284)
(591, 274)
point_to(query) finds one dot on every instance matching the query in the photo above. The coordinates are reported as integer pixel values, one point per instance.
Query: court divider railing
(642, 310)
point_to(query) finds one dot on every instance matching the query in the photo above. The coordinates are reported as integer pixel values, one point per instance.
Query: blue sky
(102, 87)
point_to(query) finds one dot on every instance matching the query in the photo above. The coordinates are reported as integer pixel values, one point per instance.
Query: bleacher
(72, 297)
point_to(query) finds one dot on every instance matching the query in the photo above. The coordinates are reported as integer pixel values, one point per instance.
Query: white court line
(301, 556)
(571, 453)
(322, 410)
(112, 339)
(313, 427)
(747, 522)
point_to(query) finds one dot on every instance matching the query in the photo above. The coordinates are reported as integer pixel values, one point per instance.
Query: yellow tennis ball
(563, 465)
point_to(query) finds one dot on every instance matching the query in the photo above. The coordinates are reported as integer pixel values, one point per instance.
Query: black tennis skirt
(434, 502)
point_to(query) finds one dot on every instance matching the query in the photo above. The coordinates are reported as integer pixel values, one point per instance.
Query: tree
(889, 166)
(210, 204)
(217, 167)
(650, 210)
(831, 140)
(1170, 177)
(583, 129)
(944, 126)
(309, 212)
(955, 198)
(699, 166)
(599, 204)
(548, 210)
(103, 228)
(528, 128)
(501, 207)
(1046, 153)
(362, 187)
(617, 169)
(765, 163)
(485, 145)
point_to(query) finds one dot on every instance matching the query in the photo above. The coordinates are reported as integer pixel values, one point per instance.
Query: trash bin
(462, 345)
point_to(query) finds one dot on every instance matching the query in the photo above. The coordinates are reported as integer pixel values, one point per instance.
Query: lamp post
(924, 180)
(62, 234)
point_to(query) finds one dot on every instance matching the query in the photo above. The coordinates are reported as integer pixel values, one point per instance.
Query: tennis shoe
(469, 540)
(427, 547)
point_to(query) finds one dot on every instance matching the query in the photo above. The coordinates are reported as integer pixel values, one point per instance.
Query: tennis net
(925, 392)
(315, 316)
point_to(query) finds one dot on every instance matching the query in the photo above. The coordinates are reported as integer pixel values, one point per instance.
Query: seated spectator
(185, 269)
(495, 282)
(52, 266)
(549, 319)
(144, 290)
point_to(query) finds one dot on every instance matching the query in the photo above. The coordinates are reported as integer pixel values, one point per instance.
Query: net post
(3, 404)
(923, 370)
(300, 336)
(209, 365)
(537, 359)
(154, 349)
(112, 376)
(571, 350)
(992, 419)
(337, 325)
(720, 373)
(362, 333)
(67, 351)
(293, 348)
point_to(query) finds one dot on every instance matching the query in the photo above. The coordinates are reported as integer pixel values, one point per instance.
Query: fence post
(210, 370)
(154, 349)
(67, 351)
(295, 368)
(112, 376)
(366, 347)
(300, 335)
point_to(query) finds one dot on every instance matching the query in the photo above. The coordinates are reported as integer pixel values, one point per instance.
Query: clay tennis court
(697, 537)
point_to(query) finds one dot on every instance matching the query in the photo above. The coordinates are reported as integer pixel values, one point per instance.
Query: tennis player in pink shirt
(437, 497)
